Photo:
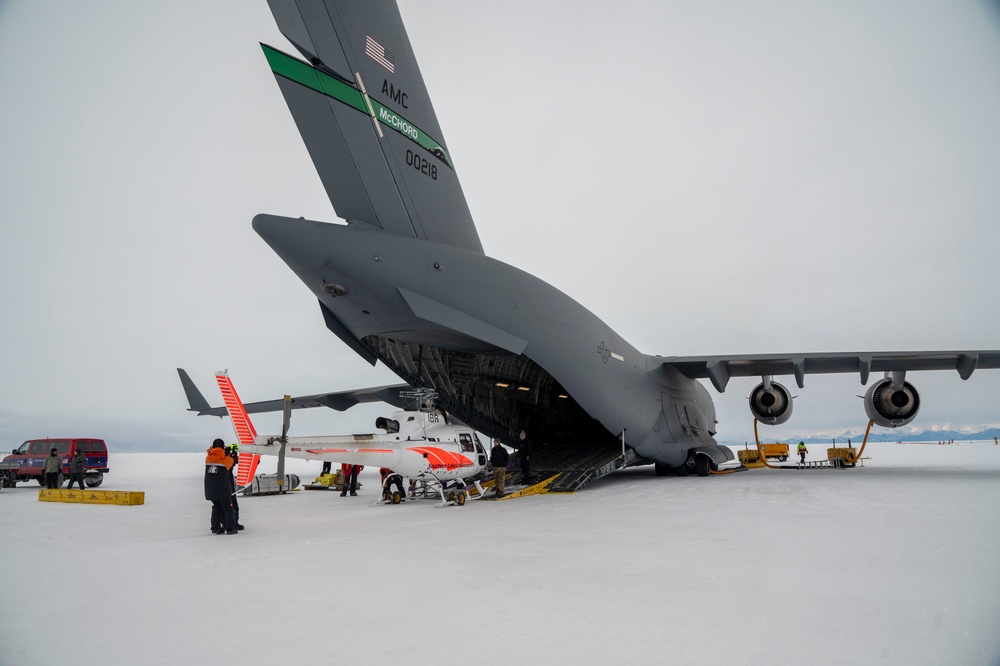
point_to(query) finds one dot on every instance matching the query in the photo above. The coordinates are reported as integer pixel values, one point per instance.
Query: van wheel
(93, 479)
(41, 480)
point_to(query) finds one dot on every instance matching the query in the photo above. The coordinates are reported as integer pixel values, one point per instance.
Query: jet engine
(389, 425)
(891, 407)
(771, 403)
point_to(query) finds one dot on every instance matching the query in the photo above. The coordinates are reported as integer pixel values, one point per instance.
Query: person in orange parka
(219, 488)
(350, 478)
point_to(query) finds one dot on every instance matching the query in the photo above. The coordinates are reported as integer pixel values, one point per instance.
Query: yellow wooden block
(120, 497)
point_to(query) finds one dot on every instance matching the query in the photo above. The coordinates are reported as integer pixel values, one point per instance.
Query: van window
(96, 446)
(62, 445)
(37, 448)
(21, 450)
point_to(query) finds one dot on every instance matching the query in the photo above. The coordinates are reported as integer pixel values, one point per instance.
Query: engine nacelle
(773, 406)
(891, 408)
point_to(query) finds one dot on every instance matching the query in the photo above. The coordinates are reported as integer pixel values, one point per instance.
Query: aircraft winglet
(196, 401)
(245, 431)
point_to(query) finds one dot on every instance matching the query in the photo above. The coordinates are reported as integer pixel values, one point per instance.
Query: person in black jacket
(219, 488)
(524, 453)
(499, 459)
(77, 464)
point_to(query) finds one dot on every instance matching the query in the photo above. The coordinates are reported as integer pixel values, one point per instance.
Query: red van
(25, 462)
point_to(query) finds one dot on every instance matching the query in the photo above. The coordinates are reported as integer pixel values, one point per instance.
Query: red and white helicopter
(438, 458)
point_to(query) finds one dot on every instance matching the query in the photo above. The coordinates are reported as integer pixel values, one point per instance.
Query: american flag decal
(380, 54)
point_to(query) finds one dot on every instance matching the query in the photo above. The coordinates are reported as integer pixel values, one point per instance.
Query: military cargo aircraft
(406, 281)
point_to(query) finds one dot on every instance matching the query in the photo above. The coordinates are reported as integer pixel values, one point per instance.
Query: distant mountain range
(897, 436)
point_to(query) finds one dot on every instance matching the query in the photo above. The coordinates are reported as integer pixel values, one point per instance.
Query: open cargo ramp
(574, 465)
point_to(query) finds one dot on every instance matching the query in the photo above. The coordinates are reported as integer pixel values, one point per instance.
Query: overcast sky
(707, 178)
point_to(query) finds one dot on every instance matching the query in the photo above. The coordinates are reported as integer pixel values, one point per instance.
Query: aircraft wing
(719, 369)
(363, 111)
(339, 400)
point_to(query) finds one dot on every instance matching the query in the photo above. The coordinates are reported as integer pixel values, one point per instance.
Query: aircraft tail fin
(364, 113)
(245, 432)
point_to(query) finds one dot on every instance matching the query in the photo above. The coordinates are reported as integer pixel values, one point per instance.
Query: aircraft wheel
(460, 499)
(702, 465)
(396, 498)
(93, 479)
(661, 469)
(681, 470)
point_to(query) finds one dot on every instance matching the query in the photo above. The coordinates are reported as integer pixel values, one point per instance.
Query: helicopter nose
(298, 242)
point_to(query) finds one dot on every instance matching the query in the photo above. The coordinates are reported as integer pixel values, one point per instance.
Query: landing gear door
(683, 417)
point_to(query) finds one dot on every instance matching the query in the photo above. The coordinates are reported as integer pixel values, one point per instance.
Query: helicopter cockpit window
(465, 440)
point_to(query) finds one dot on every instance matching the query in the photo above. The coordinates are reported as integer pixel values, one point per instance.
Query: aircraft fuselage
(504, 349)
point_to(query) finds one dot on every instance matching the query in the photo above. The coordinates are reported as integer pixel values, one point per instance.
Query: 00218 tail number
(421, 165)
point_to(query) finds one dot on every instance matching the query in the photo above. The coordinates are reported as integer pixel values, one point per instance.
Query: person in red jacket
(350, 478)
(219, 488)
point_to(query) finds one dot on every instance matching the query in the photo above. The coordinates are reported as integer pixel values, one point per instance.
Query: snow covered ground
(893, 563)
